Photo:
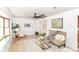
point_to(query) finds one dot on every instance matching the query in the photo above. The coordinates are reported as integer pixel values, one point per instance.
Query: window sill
(4, 37)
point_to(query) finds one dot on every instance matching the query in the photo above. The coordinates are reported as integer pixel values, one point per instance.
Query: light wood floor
(17, 44)
(28, 44)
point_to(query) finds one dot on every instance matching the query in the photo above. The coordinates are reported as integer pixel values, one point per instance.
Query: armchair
(57, 38)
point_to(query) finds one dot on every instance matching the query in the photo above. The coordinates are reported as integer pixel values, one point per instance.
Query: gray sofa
(52, 39)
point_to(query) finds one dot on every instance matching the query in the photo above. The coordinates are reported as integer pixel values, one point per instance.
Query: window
(4, 27)
(1, 28)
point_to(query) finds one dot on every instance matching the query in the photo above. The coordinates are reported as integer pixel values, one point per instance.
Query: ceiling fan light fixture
(39, 16)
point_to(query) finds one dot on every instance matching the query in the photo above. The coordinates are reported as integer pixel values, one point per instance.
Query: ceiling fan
(39, 16)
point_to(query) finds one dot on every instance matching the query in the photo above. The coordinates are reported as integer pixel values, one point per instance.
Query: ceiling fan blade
(39, 16)
(42, 15)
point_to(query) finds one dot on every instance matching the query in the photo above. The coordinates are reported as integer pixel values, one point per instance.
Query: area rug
(43, 47)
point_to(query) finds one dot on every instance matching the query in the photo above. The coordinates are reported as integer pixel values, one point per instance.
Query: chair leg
(64, 45)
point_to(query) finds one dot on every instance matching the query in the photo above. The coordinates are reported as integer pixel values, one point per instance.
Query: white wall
(26, 30)
(69, 26)
(5, 43)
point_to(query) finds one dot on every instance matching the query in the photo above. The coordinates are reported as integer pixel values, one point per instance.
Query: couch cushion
(58, 42)
(60, 37)
(53, 33)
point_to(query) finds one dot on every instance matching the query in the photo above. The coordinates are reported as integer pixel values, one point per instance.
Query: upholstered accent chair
(57, 38)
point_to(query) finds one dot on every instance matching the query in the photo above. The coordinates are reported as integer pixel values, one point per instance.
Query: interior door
(43, 26)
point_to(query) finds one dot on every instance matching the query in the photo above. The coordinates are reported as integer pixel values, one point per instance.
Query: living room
(28, 21)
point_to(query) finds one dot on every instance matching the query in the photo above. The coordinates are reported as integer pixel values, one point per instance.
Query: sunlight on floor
(29, 45)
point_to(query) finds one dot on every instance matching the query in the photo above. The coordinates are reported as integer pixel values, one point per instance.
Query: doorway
(43, 26)
(78, 32)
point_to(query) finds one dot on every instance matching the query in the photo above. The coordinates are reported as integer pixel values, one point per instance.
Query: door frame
(78, 33)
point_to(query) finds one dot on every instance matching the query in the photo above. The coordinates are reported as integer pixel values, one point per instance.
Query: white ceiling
(29, 11)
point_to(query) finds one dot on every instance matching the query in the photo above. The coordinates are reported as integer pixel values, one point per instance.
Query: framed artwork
(27, 25)
(57, 23)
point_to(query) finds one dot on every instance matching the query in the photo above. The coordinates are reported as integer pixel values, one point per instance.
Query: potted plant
(16, 28)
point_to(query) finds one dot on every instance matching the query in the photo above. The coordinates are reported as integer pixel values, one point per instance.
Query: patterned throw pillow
(60, 37)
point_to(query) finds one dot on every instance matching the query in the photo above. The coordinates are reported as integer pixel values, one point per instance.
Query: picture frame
(27, 25)
(57, 23)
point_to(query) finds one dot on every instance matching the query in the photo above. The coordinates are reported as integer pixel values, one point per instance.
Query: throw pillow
(60, 37)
